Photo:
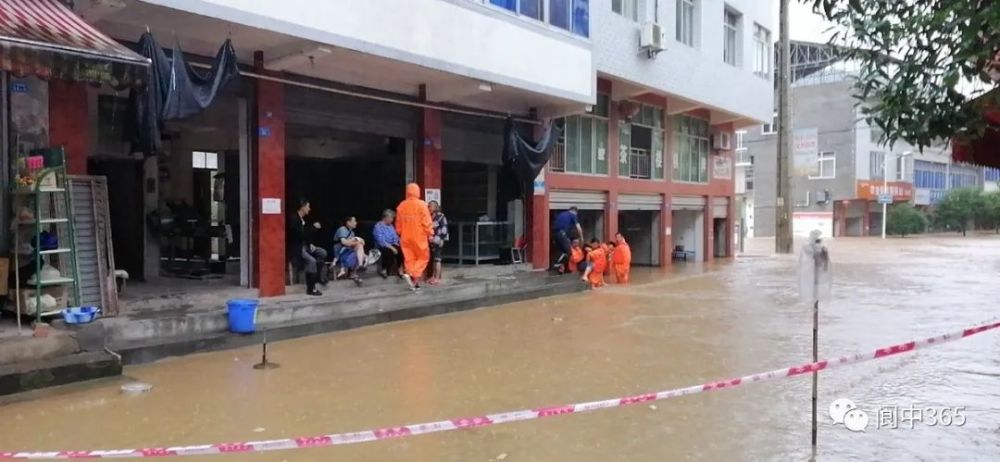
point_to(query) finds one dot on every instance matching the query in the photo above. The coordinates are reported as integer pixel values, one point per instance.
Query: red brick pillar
(269, 160)
(69, 123)
(537, 229)
(667, 241)
(709, 231)
(428, 157)
(611, 216)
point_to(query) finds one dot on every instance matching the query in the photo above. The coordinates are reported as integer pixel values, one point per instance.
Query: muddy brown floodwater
(671, 328)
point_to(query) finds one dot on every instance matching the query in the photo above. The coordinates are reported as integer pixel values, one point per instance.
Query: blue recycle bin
(242, 315)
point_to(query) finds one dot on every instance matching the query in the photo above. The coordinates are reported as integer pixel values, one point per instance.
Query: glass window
(626, 8)
(876, 165)
(827, 165)
(900, 167)
(691, 159)
(686, 21)
(601, 108)
(205, 160)
(730, 44)
(762, 51)
(506, 4)
(531, 9)
(571, 15)
(771, 128)
(585, 146)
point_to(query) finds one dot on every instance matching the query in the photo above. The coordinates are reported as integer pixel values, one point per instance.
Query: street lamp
(885, 187)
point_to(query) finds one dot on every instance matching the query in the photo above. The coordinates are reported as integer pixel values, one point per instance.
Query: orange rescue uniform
(413, 223)
(599, 258)
(621, 260)
(575, 257)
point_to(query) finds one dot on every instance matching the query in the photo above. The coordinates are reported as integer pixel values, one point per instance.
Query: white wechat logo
(844, 411)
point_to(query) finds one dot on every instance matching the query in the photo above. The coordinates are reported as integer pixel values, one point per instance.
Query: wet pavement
(674, 327)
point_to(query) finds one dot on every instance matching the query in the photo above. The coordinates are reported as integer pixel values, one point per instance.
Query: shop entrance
(722, 237)
(640, 230)
(688, 232)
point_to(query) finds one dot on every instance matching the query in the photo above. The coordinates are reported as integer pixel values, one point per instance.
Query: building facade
(839, 164)
(653, 158)
(343, 102)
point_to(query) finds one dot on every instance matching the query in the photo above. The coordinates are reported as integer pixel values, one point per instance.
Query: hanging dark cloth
(523, 160)
(176, 90)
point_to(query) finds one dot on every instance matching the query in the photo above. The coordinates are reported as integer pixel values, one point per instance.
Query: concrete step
(18, 349)
(210, 332)
(32, 375)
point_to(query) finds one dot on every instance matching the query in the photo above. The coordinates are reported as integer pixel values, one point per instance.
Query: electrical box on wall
(651, 38)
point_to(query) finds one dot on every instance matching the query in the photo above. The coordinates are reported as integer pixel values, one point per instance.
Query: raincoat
(413, 223)
(599, 258)
(621, 261)
(575, 257)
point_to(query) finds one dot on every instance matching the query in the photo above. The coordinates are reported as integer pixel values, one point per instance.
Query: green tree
(905, 219)
(913, 55)
(989, 212)
(958, 209)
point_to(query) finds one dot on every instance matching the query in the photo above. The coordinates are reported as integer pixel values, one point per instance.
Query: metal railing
(557, 163)
(743, 157)
(477, 241)
(639, 163)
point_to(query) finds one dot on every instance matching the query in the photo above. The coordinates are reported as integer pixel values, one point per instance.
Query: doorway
(688, 232)
(640, 230)
(722, 237)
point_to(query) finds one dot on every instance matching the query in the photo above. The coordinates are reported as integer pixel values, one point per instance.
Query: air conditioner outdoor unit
(651, 38)
(722, 141)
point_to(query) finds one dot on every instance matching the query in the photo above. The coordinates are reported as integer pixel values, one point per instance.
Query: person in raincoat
(597, 264)
(621, 259)
(413, 222)
(576, 256)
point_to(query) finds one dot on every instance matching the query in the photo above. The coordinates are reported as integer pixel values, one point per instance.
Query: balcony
(640, 164)
(743, 158)
(557, 163)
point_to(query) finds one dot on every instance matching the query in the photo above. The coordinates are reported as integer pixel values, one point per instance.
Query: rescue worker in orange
(621, 259)
(413, 223)
(576, 256)
(597, 260)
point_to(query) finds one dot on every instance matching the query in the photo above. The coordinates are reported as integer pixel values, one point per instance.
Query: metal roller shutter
(687, 203)
(720, 207)
(320, 109)
(640, 202)
(583, 200)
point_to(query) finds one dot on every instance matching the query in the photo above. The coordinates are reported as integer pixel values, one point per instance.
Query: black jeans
(312, 260)
(391, 261)
(563, 243)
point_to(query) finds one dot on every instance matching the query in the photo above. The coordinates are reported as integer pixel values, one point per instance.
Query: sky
(804, 24)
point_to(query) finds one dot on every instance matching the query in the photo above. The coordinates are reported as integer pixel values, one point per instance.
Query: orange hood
(412, 191)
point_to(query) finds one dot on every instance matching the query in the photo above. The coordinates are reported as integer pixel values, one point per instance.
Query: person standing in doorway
(413, 223)
(440, 225)
(387, 241)
(301, 251)
(565, 228)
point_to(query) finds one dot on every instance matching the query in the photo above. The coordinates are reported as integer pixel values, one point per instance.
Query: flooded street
(671, 328)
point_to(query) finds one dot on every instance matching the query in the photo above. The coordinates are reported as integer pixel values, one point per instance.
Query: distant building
(839, 164)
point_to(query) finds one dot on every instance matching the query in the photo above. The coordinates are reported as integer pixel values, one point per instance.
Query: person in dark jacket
(301, 250)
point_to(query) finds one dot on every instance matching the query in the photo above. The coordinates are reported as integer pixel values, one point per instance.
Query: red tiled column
(611, 216)
(538, 229)
(709, 226)
(270, 184)
(866, 219)
(667, 242)
(69, 123)
(428, 157)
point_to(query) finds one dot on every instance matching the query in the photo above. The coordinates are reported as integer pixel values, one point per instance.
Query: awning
(46, 39)
(985, 150)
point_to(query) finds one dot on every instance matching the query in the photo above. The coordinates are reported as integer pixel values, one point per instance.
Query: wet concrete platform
(158, 326)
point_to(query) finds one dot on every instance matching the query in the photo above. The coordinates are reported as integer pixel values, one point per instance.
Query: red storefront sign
(870, 190)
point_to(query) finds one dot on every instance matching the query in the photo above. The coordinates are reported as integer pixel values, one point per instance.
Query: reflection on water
(671, 328)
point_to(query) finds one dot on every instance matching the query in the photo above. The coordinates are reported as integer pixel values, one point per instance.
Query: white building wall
(462, 37)
(698, 74)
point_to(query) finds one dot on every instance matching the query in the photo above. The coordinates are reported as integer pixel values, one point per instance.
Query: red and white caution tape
(496, 419)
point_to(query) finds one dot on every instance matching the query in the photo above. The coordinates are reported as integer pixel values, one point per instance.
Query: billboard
(805, 152)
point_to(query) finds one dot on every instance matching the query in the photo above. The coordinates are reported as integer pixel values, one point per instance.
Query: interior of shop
(721, 237)
(639, 228)
(688, 229)
(190, 229)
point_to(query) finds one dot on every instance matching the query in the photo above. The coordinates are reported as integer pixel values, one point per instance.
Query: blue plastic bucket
(242, 316)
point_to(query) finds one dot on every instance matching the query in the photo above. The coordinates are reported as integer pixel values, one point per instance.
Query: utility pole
(783, 225)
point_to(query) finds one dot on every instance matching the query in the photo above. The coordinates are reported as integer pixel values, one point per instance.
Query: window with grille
(691, 155)
(762, 51)
(731, 37)
(686, 10)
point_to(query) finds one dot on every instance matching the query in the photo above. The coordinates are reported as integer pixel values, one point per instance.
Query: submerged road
(670, 328)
